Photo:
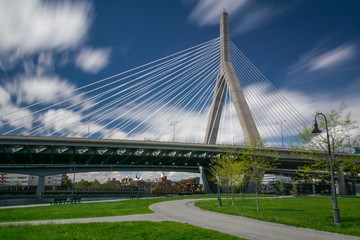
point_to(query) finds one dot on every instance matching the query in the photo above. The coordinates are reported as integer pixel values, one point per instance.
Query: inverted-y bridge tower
(227, 79)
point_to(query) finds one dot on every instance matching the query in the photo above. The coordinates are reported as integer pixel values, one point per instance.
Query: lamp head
(316, 128)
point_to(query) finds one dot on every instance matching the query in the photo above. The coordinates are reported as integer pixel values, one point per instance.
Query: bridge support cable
(256, 99)
(55, 98)
(184, 81)
(149, 90)
(263, 110)
(194, 99)
(280, 96)
(147, 86)
(186, 55)
(141, 92)
(256, 102)
(180, 84)
(269, 100)
(263, 95)
(199, 88)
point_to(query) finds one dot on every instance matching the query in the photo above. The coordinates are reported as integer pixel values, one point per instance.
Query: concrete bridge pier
(41, 186)
(209, 186)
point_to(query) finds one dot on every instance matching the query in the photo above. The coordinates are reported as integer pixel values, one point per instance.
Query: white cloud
(45, 63)
(28, 89)
(5, 97)
(245, 15)
(11, 114)
(93, 60)
(207, 12)
(257, 17)
(319, 59)
(339, 55)
(307, 105)
(156, 123)
(63, 121)
(32, 89)
(33, 25)
(70, 123)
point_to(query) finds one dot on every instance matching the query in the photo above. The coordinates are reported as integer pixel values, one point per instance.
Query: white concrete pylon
(227, 78)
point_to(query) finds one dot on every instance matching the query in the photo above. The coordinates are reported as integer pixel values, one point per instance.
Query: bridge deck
(29, 154)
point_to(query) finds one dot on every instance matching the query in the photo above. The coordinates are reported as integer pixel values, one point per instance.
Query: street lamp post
(89, 126)
(335, 206)
(173, 124)
(218, 186)
(72, 191)
(138, 183)
(281, 130)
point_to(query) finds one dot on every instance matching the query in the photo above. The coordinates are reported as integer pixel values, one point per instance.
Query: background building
(11, 179)
(16, 179)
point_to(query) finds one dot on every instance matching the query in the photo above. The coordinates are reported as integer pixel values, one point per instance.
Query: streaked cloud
(93, 60)
(245, 15)
(33, 25)
(257, 17)
(207, 12)
(19, 117)
(35, 88)
(320, 59)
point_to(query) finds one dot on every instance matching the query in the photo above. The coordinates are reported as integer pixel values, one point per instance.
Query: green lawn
(123, 230)
(85, 210)
(306, 212)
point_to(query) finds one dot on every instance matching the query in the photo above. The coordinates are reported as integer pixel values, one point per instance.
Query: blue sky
(307, 49)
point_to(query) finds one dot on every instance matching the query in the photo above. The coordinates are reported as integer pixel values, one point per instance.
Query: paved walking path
(184, 211)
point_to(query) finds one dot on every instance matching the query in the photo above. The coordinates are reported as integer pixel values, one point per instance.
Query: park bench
(76, 200)
(63, 200)
(135, 197)
(59, 201)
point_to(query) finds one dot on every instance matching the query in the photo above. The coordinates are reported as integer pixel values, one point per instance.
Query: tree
(96, 185)
(315, 149)
(237, 167)
(67, 183)
(83, 184)
(256, 159)
(294, 187)
(109, 185)
(231, 171)
(281, 186)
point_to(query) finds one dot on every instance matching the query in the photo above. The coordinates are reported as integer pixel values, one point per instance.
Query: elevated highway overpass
(53, 155)
(44, 156)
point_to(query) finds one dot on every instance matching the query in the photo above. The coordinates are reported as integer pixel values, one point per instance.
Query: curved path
(184, 211)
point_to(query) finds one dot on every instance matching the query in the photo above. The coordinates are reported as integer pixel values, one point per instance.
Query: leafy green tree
(294, 187)
(108, 185)
(231, 171)
(315, 147)
(96, 185)
(256, 159)
(281, 185)
(66, 183)
(83, 184)
(237, 167)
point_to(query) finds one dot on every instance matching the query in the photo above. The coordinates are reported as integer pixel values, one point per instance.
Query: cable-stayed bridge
(196, 100)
